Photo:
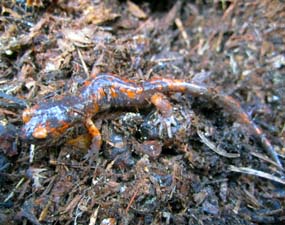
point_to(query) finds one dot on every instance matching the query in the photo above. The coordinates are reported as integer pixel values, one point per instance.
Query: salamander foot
(165, 123)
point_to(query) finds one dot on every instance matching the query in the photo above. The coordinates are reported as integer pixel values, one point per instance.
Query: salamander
(50, 118)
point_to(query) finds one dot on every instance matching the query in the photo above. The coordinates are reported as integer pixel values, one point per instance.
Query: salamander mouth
(42, 135)
(27, 137)
(26, 134)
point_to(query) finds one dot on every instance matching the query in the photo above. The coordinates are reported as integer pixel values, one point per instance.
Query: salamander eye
(27, 114)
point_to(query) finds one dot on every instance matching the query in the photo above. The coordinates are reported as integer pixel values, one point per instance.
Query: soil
(212, 171)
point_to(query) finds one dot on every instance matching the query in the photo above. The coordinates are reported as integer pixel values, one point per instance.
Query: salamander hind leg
(96, 141)
(166, 119)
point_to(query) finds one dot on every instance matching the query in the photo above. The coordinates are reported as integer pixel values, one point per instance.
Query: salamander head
(48, 120)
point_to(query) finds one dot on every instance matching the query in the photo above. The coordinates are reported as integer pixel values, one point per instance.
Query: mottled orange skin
(51, 118)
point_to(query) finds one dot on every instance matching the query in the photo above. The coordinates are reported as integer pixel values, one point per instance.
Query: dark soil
(49, 47)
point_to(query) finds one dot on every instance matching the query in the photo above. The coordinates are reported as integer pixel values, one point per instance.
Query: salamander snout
(44, 121)
(29, 126)
(33, 131)
(39, 129)
(33, 127)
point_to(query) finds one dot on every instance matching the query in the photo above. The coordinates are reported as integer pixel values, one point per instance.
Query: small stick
(83, 63)
(184, 34)
(257, 173)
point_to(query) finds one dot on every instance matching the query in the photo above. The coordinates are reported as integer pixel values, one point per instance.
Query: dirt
(212, 171)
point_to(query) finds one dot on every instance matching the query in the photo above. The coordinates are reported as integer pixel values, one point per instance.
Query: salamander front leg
(96, 141)
(166, 119)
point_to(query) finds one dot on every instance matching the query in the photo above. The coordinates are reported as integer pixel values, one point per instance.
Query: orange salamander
(49, 119)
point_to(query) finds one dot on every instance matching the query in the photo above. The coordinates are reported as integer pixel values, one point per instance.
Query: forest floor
(212, 171)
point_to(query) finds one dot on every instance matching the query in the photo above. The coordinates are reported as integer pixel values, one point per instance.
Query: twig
(83, 63)
(257, 173)
(132, 199)
(264, 158)
(94, 216)
(184, 34)
(14, 190)
(216, 149)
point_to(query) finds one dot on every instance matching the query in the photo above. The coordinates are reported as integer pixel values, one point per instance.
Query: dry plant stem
(257, 173)
(215, 148)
